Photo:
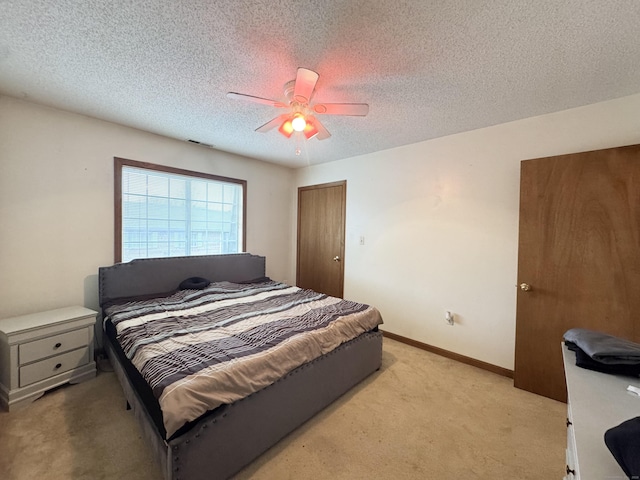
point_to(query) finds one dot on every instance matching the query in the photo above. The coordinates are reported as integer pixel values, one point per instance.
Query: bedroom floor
(421, 416)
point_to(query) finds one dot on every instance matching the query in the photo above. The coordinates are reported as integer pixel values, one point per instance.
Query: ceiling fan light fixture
(298, 123)
(310, 129)
(286, 128)
(301, 117)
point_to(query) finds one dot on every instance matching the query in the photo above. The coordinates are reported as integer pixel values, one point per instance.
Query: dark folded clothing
(623, 442)
(585, 361)
(604, 348)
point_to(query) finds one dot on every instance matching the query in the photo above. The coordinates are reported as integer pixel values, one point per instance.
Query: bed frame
(224, 441)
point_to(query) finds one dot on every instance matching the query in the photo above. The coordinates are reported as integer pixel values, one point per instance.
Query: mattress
(193, 351)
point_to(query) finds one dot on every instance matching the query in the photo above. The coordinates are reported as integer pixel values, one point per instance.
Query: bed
(267, 400)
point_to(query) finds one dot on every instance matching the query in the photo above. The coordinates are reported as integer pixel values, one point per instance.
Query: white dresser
(43, 350)
(596, 402)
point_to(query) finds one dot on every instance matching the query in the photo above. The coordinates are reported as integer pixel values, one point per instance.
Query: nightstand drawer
(53, 366)
(64, 342)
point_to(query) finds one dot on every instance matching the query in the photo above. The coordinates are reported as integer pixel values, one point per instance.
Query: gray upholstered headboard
(161, 275)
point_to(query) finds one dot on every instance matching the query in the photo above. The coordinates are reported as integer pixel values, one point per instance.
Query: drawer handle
(58, 365)
(57, 345)
(570, 472)
(569, 423)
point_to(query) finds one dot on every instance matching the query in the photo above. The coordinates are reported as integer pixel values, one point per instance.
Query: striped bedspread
(199, 349)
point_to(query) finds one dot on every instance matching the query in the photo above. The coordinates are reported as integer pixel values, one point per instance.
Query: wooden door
(321, 224)
(579, 250)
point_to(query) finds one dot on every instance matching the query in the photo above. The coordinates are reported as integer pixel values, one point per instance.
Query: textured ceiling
(426, 68)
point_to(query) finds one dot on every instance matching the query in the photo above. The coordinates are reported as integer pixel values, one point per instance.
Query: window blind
(166, 214)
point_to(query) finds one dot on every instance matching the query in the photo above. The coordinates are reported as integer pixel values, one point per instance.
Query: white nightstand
(43, 350)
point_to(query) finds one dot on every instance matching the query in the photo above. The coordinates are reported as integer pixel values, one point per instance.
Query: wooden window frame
(120, 162)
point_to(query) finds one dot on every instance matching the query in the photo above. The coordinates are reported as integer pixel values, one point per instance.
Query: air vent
(200, 143)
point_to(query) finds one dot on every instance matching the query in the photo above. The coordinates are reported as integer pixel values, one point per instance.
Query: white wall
(440, 221)
(56, 202)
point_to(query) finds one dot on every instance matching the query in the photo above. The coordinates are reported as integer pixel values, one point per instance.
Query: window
(169, 212)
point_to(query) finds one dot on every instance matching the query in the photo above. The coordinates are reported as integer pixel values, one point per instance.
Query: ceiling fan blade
(251, 98)
(271, 124)
(323, 133)
(355, 109)
(305, 83)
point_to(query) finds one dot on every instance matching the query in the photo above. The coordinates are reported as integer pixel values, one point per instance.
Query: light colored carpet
(421, 416)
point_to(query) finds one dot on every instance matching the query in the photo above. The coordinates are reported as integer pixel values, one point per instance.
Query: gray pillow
(194, 283)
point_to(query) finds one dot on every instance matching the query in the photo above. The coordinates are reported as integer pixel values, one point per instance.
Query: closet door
(321, 227)
(578, 257)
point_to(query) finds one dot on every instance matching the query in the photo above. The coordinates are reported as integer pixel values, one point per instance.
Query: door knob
(525, 287)
(336, 258)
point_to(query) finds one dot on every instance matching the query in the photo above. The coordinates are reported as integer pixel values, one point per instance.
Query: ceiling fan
(300, 116)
